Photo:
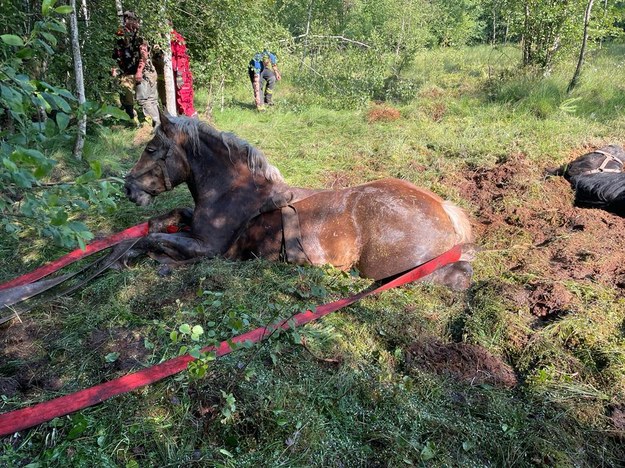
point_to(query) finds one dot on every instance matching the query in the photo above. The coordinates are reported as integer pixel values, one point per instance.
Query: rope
(133, 232)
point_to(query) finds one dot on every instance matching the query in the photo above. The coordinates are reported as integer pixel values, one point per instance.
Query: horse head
(161, 166)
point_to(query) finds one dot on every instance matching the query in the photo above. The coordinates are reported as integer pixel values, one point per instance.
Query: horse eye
(150, 149)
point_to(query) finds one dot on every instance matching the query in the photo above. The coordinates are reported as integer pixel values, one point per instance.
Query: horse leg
(456, 276)
(178, 247)
(176, 217)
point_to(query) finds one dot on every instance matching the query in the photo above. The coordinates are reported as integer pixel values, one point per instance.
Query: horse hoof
(165, 270)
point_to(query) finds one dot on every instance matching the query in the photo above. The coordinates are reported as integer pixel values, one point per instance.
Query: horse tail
(462, 227)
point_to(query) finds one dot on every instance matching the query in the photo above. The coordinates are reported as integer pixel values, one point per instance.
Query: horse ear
(165, 122)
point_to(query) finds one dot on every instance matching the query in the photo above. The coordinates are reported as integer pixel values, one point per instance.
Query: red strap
(18, 420)
(139, 230)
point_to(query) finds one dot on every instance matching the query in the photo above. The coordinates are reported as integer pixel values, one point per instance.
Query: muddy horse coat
(244, 209)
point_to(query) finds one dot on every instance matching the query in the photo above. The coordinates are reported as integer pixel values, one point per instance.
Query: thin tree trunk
(120, 11)
(168, 74)
(306, 34)
(605, 12)
(494, 26)
(525, 39)
(85, 12)
(582, 51)
(80, 84)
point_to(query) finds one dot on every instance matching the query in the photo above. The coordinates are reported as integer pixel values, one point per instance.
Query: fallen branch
(341, 38)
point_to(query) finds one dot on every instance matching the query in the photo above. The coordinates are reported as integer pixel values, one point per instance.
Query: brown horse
(244, 209)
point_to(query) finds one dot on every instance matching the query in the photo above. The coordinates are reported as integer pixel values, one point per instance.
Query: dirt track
(532, 215)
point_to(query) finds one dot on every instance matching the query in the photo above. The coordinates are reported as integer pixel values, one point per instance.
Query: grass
(349, 397)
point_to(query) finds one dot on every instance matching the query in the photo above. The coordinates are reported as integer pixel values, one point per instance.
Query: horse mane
(237, 148)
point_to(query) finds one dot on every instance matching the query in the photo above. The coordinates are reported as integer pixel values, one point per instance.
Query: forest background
(449, 88)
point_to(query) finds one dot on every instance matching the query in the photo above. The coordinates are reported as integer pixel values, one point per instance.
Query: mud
(517, 208)
(468, 363)
(128, 344)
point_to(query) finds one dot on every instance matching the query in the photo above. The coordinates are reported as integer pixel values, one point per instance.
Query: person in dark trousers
(263, 72)
(138, 75)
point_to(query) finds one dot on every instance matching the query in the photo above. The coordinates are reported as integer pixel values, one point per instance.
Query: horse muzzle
(136, 194)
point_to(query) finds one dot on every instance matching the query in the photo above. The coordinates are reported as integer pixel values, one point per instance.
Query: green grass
(353, 400)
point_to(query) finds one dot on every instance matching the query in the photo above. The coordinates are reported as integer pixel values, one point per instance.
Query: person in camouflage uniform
(263, 72)
(138, 75)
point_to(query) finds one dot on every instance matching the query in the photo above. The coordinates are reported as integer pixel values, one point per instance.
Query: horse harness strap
(161, 163)
(292, 249)
(607, 160)
(292, 246)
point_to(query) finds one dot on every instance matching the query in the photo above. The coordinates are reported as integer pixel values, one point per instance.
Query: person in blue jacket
(263, 72)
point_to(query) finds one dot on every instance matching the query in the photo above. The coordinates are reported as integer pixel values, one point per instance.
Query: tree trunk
(304, 52)
(605, 12)
(85, 12)
(120, 12)
(80, 84)
(494, 37)
(168, 75)
(582, 51)
(525, 39)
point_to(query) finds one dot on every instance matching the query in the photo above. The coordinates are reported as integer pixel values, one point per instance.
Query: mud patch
(128, 345)
(8, 386)
(24, 360)
(531, 216)
(616, 414)
(469, 363)
(20, 340)
(549, 299)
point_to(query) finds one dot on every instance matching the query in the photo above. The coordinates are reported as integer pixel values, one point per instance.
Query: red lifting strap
(139, 230)
(18, 420)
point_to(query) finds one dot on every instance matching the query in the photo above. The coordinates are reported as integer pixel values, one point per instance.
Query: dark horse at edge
(598, 179)
(244, 209)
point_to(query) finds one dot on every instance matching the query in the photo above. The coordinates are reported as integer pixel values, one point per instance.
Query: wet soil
(468, 363)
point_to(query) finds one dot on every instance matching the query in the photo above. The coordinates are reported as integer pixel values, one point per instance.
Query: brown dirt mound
(617, 418)
(547, 299)
(23, 351)
(559, 242)
(469, 363)
(382, 113)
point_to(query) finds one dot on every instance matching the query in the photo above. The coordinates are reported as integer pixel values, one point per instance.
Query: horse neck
(230, 178)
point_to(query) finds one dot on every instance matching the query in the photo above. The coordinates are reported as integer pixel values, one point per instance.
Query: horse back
(381, 228)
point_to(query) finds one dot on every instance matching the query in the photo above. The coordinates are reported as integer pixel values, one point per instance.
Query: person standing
(263, 72)
(138, 75)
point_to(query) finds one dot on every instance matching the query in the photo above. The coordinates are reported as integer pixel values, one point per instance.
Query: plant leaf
(12, 39)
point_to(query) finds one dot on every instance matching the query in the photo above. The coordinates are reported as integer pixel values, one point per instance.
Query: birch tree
(80, 84)
(120, 12)
(168, 75)
(582, 51)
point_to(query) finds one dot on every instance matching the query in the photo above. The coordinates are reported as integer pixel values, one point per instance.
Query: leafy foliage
(37, 118)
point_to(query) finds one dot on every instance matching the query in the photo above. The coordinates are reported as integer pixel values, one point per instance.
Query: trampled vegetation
(526, 368)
